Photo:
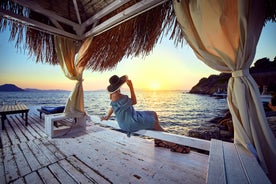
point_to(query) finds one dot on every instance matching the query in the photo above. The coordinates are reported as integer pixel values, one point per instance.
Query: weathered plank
(39, 122)
(47, 176)
(21, 162)
(42, 159)
(34, 134)
(55, 151)
(51, 156)
(61, 174)
(232, 163)
(10, 167)
(2, 172)
(17, 129)
(253, 170)
(30, 157)
(33, 178)
(233, 166)
(5, 139)
(98, 160)
(216, 168)
(87, 171)
(74, 173)
(25, 131)
(13, 137)
(19, 181)
(37, 127)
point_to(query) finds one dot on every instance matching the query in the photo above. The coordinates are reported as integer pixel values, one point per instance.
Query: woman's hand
(104, 118)
(129, 83)
(108, 115)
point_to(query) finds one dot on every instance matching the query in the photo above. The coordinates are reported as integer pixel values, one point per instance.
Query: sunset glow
(166, 68)
(154, 85)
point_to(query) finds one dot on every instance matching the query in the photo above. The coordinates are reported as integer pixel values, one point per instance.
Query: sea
(178, 111)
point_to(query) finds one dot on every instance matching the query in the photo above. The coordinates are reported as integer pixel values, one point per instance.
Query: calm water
(178, 111)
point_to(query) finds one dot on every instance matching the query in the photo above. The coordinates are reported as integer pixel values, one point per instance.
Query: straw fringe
(38, 44)
(136, 37)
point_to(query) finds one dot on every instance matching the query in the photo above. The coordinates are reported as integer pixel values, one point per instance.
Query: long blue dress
(130, 120)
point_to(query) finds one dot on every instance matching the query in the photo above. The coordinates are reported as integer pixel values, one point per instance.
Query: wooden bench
(14, 109)
(179, 139)
(232, 163)
(50, 119)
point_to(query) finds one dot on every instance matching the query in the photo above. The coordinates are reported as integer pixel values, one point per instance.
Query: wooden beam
(77, 10)
(113, 6)
(32, 5)
(37, 25)
(56, 23)
(123, 16)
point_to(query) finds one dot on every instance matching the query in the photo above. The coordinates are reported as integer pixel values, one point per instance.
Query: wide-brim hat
(116, 82)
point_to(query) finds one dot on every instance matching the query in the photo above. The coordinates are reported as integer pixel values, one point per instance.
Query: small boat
(265, 98)
(220, 94)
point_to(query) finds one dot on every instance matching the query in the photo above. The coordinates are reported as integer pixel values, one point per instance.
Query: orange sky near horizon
(166, 68)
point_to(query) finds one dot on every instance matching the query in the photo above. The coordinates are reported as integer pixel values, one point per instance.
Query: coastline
(179, 113)
(220, 128)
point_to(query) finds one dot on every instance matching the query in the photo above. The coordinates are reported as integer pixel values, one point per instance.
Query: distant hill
(10, 88)
(31, 89)
(14, 88)
(43, 90)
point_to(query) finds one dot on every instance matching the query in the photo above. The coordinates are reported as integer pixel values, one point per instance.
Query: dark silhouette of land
(263, 71)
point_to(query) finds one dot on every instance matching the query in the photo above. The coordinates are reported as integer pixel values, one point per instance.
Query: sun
(154, 85)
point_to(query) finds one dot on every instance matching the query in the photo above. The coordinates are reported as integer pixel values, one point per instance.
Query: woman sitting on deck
(131, 120)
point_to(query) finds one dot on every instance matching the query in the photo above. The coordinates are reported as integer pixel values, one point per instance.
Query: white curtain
(73, 68)
(224, 35)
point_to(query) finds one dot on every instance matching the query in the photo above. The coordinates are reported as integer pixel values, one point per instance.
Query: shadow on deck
(97, 155)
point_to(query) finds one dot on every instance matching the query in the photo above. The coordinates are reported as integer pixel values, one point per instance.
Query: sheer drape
(224, 35)
(73, 66)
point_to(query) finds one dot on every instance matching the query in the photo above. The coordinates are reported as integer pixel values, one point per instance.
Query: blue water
(178, 111)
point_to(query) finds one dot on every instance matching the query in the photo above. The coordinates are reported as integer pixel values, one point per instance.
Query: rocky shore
(218, 128)
(263, 72)
(222, 128)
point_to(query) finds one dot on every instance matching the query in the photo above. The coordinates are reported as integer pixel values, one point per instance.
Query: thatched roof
(117, 33)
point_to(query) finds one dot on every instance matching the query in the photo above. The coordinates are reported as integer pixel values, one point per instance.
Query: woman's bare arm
(132, 92)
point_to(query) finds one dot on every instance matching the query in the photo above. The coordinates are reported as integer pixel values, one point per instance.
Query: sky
(167, 67)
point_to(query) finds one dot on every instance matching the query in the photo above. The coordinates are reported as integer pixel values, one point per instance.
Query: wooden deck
(98, 155)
